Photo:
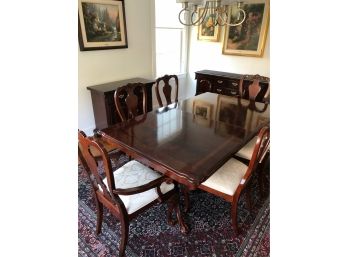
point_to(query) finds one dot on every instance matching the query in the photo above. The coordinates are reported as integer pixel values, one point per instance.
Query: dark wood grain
(185, 147)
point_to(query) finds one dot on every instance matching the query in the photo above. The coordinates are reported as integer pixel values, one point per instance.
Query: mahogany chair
(167, 89)
(254, 89)
(127, 191)
(231, 179)
(111, 149)
(130, 100)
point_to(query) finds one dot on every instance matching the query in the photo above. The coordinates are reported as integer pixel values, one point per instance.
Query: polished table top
(189, 140)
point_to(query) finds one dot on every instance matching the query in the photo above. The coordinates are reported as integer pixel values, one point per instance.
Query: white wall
(205, 55)
(101, 66)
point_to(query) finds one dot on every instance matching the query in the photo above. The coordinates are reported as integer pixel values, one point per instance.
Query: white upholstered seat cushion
(247, 151)
(134, 174)
(228, 177)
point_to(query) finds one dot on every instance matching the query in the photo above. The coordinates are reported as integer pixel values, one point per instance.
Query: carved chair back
(167, 89)
(254, 89)
(259, 152)
(87, 146)
(130, 100)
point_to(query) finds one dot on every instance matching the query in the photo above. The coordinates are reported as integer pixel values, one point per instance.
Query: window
(171, 39)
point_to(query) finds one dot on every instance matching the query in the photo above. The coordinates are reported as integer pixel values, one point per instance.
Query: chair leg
(186, 199)
(234, 217)
(124, 237)
(261, 182)
(171, 204)
(248, 199)
(99, 216)
(262, 175)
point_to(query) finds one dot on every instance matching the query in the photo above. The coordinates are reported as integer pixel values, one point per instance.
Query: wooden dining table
(189, 140)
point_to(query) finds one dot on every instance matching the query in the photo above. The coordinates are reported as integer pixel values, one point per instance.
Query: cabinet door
(203, 85)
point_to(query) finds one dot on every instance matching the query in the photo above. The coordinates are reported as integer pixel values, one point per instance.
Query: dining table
(189, 140)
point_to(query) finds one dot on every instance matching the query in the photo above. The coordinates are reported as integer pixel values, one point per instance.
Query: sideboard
(224, 83)
(103, 100)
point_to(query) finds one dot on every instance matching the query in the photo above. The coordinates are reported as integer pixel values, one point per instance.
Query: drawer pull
(220, 81)
(234, 84)
(219, 90)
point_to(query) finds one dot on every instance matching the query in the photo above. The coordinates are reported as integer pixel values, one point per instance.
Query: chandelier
(217, 9)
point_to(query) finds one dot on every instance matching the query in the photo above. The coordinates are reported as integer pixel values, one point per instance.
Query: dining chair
(130, 100)
(168, 81)
(110, 148)
(253, 90)
(230, 180)
(126, 192)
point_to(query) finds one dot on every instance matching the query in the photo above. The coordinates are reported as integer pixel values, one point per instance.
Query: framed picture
(207, 30)
(249, 38)
(102, 25)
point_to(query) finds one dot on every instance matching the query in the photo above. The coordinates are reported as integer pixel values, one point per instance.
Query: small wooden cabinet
(103, 100)
(224, 83)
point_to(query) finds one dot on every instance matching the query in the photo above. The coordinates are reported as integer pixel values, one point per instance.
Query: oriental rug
(209, 220)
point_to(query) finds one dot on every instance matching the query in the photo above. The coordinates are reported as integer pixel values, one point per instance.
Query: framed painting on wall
(102, 25)
(249, 38)
(207, 31)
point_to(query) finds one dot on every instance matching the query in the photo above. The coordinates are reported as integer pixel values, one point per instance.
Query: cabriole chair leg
(124, 237)
(99, 216)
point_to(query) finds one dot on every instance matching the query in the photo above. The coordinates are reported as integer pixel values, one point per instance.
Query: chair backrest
(167, 89)
(130, 100)
(259, 152)
(254, 89)
(90, 164)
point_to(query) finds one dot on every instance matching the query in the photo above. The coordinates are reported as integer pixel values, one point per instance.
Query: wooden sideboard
(224, 83)
(103, 100)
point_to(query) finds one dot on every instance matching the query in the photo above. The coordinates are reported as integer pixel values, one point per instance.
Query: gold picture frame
(248, 39)
(102, 25)
(207, 31)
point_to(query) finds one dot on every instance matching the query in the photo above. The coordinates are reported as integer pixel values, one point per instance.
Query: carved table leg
(171, 206)
(186, 198)
(183, 227)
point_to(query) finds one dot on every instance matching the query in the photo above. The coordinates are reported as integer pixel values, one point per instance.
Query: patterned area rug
(150, 235)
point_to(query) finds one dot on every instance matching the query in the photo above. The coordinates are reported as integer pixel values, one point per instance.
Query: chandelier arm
(201, 18)
(183, 23)
(230, 24)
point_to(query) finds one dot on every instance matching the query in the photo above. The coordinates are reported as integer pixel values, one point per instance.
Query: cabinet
(103, 100)
(224, 83)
